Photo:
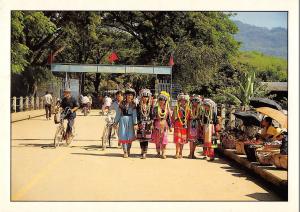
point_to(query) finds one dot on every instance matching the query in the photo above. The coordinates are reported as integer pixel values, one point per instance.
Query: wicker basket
(280, 161)
(272, 146)
(240, 148)
(228, 142)
(250, 150)
(265, 156)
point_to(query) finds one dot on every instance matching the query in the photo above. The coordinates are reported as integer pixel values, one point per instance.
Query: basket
(240, 148)
(272, 146)
(280, 161)
(265, 156)
(250, 150)
(229, 142)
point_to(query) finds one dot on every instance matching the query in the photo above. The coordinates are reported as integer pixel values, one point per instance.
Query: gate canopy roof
(121, 69)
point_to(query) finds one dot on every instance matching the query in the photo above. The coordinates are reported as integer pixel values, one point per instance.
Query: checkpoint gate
(119, 69)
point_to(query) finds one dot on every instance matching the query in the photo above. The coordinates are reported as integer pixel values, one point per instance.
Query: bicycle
(60, 134)
(106, 136)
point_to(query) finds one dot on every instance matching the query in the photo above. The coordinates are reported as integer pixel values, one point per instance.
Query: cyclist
(107, 104)
(85, 102)
(69, 101)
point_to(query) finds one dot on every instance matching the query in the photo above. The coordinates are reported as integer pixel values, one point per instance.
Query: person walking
(126, 118)
(144, 117)
(209, 121)
(180, 116)
(194, 124)
(161, 124)
(114, 107)
(48, 102)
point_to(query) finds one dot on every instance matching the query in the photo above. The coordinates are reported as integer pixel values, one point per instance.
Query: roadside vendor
(269, 132)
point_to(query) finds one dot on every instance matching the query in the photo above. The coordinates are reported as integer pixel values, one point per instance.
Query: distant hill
(268, 41)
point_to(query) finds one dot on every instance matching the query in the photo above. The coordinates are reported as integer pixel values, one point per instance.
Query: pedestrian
(179, 119)
(48, 102)
(70, 102)
(193, 132)
(126, 118)
(161, 124)
(114, 107)
(209, 121)
(144, 117)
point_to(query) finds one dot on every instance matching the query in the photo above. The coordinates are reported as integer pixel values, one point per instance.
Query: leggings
(126, 147)
(144, 146)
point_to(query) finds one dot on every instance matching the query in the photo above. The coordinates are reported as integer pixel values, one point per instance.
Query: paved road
(83, 172)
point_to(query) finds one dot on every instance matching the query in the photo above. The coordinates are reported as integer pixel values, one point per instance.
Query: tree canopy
(206, 55)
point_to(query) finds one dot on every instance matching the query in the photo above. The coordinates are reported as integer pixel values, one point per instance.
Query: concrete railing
(20, 104)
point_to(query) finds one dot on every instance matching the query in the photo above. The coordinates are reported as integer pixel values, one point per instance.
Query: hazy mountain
(268, 41)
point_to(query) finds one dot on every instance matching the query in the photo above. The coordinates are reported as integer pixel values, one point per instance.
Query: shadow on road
(101, 155)
(261, 196)
(44, 146)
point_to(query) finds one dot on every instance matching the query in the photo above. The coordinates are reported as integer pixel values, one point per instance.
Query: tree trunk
(97, 82)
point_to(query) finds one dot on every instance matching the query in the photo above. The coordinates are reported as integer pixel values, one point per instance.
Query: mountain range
(268, 41)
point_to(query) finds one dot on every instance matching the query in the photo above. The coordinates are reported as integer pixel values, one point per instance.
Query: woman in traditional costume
(126, 117)
(194, 124)
(180, 120)
(144, 118)
(209, 121)
(161, 124)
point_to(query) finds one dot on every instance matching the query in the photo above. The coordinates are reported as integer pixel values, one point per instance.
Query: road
(83, 172)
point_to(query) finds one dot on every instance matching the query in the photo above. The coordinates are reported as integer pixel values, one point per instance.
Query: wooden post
(14, 104)
(232, 117)
(37, 103)
(223, 116)
(26, 103)
(32, 103)
(21, 103)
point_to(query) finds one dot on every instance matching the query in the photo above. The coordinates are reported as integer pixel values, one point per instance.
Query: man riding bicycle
(85, 102)
(71, 102)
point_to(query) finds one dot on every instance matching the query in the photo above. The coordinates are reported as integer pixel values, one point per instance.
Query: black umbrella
(248, 117)
(264, 102)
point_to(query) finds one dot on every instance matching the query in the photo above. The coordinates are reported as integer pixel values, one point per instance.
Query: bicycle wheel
(58, 136)
(105, 138)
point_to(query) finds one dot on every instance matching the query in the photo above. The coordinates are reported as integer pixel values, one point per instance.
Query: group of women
(193, 119)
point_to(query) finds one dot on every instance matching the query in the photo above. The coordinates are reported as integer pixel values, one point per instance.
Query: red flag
(113, 57)
(171, 61)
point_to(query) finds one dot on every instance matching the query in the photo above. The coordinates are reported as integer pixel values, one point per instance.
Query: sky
(263, 19)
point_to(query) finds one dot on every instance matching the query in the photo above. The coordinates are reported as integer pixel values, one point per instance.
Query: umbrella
(264, 102)
(248, 117)
(277, 115)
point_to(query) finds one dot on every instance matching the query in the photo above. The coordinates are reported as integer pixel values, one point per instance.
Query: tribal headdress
(145, 92)
(164, 95)
(130, 91)
(183, 96)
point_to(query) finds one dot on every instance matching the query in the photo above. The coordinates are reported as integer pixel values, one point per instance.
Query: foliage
(246, 90)
(207, 60)
(267, 68)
